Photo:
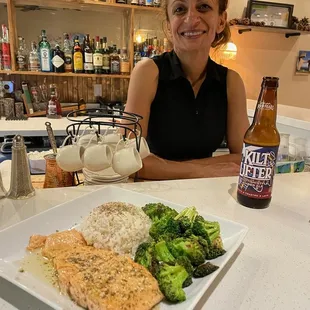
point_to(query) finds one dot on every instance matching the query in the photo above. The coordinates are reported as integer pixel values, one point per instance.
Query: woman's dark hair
(221, 38)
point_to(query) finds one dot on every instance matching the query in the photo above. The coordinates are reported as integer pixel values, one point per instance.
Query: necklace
(201, 76)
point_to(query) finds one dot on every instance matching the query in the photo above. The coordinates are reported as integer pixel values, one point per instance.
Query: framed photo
(273, 14)
(303, 62)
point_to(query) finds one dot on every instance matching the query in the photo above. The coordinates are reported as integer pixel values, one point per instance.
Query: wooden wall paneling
(74, 90)
(104, 89)
(69, 88)
(90, 89)
(62, 84)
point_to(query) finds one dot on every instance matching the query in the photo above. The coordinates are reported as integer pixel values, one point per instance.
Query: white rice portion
(116, 226)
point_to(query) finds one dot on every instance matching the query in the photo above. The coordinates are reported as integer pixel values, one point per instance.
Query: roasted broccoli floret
(186, 218)
(185, 262)
(167, 228)
(204, 270)
(188, 247)
(145, 255)
(170, 280)
(156, 211)
(214, 252)
(162, 253)
(208, 230)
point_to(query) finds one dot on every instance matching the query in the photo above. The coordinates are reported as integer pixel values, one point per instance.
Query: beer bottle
(260, 149)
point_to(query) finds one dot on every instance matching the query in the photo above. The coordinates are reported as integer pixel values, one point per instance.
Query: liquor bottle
(125, 67)
(88, 56)
(156, 3)
(115, 61)
(58, 59)
(260, 149)
(134, 2)
(137, 55)
(106, 66)
(68, 53)
(93, 44)
(77, 57)
(53, 108)
(121, 1)
(34, 60)
(98, 59)
(45, 53)
(21, 56)
(1, 64)
(6, 52)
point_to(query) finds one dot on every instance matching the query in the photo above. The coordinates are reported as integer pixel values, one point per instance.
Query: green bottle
(45, 53)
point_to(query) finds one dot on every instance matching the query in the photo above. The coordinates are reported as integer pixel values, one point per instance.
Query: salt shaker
(21, 186)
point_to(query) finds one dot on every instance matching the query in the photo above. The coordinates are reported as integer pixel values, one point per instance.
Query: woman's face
(193, 24)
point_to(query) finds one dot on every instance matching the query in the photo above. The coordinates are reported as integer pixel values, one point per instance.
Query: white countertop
(270, 271)
(35, 126)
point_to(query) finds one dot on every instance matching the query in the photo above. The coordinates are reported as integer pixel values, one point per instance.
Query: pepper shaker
(21, 186)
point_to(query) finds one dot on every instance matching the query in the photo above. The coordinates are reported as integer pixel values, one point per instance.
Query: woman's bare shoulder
(145, 69)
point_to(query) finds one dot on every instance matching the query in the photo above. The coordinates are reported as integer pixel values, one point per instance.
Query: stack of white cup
(102, 158)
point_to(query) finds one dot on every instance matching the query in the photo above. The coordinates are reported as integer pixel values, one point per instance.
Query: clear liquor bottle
(21, 56)
(45, 53)
(34, 60)
(68, 54)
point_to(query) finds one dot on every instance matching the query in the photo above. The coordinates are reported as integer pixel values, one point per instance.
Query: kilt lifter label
(257, 171)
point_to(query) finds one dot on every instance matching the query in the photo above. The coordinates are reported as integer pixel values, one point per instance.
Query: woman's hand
(221, 170)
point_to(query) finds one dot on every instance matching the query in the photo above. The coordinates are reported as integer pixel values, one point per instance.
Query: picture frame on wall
(278, 15)
(303, 62)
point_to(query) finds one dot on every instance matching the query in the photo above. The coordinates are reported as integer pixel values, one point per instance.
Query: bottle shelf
(65, 74)
(84, 5)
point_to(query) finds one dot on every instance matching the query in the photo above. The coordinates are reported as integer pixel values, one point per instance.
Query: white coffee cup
(85, 138)
(144, 148)
(69, 157)
(112, 137)
(126, 160)
(97, 157)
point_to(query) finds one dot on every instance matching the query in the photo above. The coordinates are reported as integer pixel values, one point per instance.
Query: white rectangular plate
(14, 240)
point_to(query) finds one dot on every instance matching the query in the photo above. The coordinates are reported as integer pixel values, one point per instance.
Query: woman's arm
(237, 116)
(156, 168)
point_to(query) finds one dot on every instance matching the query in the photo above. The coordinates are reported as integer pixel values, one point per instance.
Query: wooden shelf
(65, 74)
(84, 5)
(287, 32)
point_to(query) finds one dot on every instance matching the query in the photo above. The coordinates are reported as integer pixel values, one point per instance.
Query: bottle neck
(266, 109)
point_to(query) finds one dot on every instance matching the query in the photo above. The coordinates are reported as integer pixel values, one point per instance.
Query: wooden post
(131, 38)
(12, 31)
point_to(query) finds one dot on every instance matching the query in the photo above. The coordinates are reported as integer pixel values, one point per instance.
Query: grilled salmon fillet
(60, 241)
(99, 279)
(36, 242)
(102, 279)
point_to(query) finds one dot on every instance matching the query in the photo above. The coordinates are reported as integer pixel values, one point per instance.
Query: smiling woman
(188, 102)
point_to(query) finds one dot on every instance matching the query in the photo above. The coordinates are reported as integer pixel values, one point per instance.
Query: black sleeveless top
(182, 127)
